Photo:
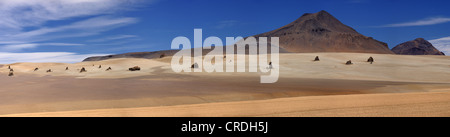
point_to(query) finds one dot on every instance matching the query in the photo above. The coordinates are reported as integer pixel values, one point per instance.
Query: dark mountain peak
(420, 40)
(321, 20)
(322, 32)
(324, 13)
(321, 13)
(418, 46)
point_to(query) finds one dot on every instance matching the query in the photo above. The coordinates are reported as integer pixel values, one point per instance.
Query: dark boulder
(195, 65)
(317, 58)
(83, 70)
(135, 68)
(370, 60)
(349, 62)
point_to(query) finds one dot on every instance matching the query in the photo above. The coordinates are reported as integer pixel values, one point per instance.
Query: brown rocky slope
(321, 32)
(418, 46)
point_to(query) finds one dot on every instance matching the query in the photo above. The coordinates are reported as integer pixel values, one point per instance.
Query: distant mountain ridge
(312, 32)
(147, 55)
(418, 46)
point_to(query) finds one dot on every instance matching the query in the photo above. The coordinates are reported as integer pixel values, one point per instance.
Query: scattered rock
(11, 73)
(49, 70)
(67, 68)
(195, 65)
(36, 69)
(108, 69)
(270, 65)
(317, 58)
(135, 68)
(83, 70)
(349, 62)
(100, 66)
(370, 60)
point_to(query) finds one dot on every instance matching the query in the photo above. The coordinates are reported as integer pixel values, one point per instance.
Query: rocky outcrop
(317, 58)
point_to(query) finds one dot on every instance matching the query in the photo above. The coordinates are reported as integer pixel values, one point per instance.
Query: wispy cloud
(65, 57)
(112, 38)
(17, 14)
(87, 27)
(22, 46)
(424, 22)
(17, 47)
(24, 25)
(442, 44)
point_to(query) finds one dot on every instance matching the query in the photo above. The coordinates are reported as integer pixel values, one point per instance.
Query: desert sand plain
(394, 85)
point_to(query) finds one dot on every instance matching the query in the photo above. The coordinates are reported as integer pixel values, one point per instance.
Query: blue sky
(71, 30)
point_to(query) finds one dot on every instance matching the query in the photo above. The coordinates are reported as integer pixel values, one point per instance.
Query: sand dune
(156, 87)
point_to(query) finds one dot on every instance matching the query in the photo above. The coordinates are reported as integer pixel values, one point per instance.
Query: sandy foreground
(393, 85)
(434, 104)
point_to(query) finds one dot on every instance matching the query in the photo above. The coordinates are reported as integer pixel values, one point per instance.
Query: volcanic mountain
(418, 46)
(321, 32)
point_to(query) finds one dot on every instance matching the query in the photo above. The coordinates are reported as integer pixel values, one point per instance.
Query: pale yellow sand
(300, 78)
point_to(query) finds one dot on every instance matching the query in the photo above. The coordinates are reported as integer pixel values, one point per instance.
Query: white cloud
(111, 38)
(27, 24)
(442, 44)
(22, 46)
(17, 47)
(87, 27)
(424, 22)
(65, 57)
(16, 14)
